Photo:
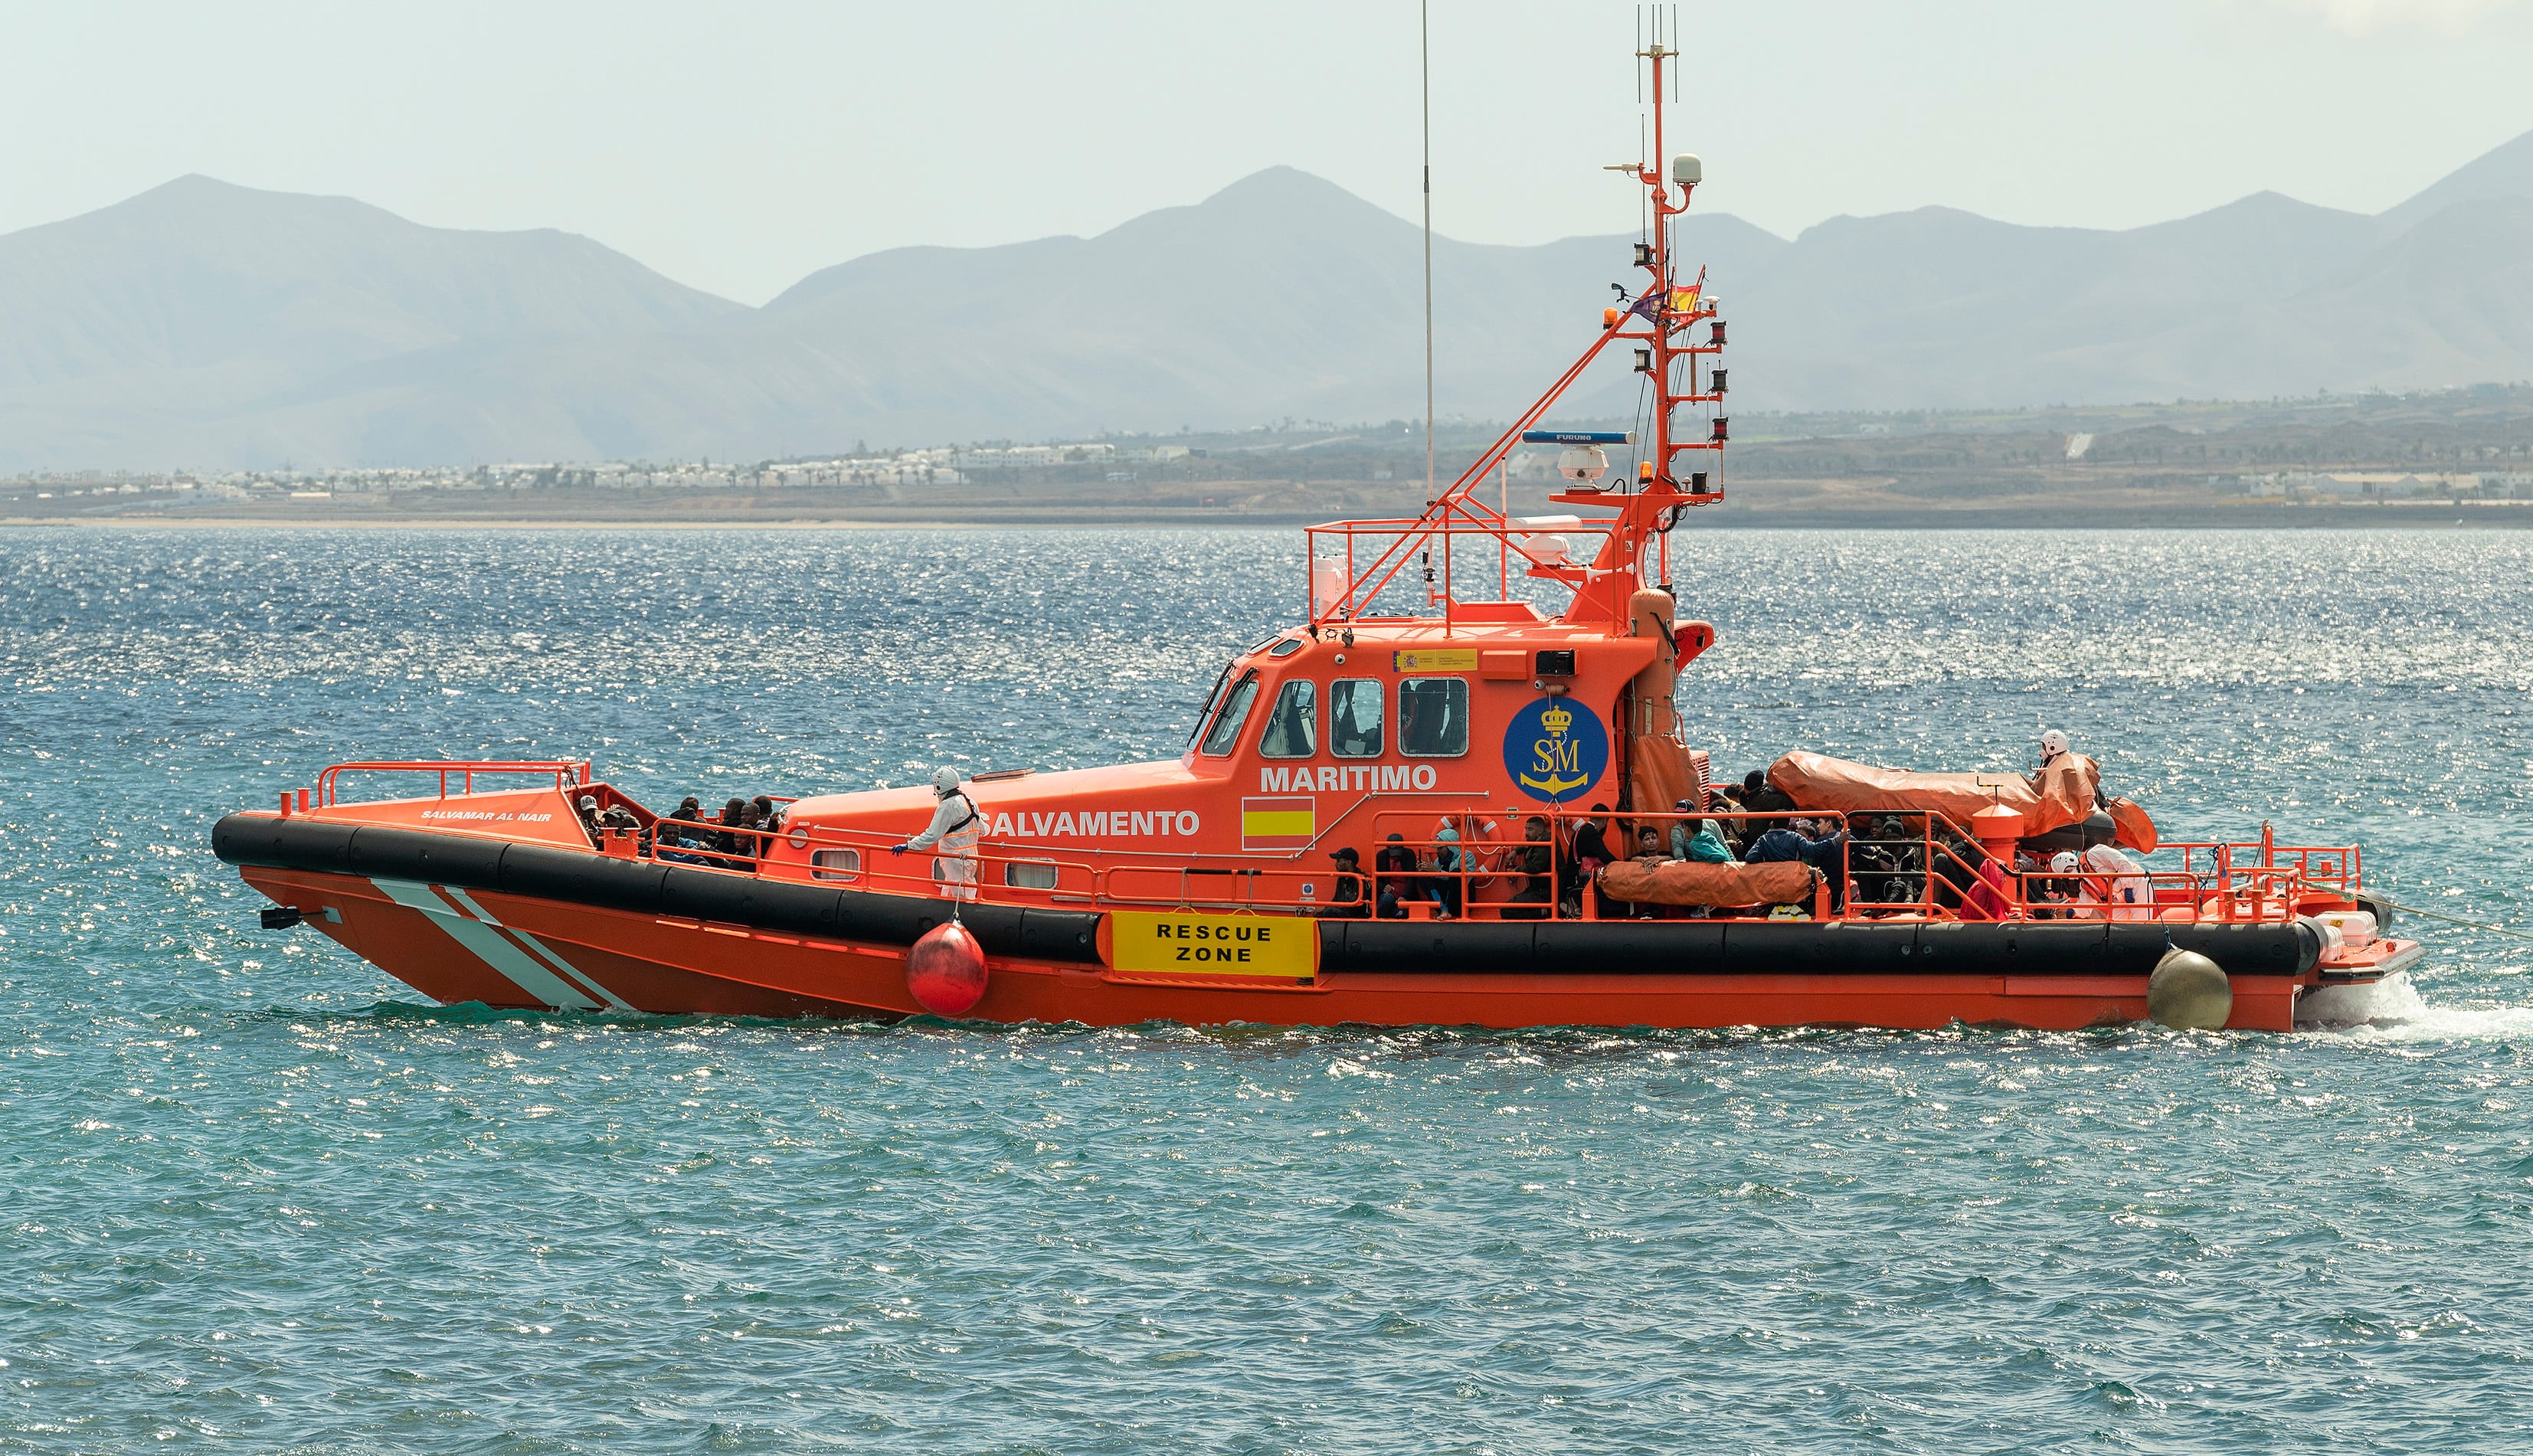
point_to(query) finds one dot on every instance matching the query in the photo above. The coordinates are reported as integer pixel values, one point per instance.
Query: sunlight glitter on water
(266, 1202)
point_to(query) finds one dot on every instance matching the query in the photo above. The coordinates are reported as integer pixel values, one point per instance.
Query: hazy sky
(738, 147)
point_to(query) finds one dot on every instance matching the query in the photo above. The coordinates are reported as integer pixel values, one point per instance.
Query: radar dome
(1583, 464)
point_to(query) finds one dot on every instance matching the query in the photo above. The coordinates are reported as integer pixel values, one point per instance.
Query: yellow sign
(1185, 943)
(1436, 659)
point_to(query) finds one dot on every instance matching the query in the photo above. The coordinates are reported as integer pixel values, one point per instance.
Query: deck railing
(1933, 871)
(565, 773)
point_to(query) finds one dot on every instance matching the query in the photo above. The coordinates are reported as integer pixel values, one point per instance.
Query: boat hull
(524, 926)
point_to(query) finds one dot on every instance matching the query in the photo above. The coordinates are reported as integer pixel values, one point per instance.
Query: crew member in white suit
(953, 835)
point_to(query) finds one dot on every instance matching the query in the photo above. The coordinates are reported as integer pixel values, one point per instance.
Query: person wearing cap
(956, 829)
(1345, 897)
(1681, 829)
(588, 810)
(619, 820)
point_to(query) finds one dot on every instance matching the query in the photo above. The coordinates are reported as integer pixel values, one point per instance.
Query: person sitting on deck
(1395, 881)
(1869, 862)
(1591, 853)
(674, 837)
(1706, 847)
(1535, 860)
(1989, 895)
(1908, 859)
(1737, 832)
(1794, 844)
(588, 807)
(1649, 851)
(1346, 899)
(2060, 891)
(1449, 861)
(732, 816)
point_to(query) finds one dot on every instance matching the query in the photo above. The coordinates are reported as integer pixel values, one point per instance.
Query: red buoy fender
(945, 972)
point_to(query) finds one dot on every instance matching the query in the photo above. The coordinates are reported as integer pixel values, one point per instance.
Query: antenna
(1425, 74)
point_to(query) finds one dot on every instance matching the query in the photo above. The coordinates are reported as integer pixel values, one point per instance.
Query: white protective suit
(2116, 884)
(954, 829)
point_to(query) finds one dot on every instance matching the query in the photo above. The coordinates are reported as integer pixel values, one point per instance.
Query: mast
(1657, 322)
(1425, 74)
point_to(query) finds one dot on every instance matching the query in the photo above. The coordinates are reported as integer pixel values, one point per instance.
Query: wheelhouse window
(836, 864)
(1434, 717)
(1213, 700)
(1293, 725)
(1355, 728)
(1235, 712)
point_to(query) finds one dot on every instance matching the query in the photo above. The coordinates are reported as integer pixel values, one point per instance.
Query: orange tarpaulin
(1816, 780)
(1685, 882)
(2137, 830)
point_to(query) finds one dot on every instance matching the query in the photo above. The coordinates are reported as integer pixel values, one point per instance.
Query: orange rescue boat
(1423, 711)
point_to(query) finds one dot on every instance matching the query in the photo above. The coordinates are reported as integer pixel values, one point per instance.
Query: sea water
(259, 1197)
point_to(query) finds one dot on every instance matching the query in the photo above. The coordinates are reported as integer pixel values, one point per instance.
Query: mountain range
(205, 325)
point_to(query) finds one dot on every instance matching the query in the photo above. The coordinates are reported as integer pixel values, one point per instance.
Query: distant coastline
(2437, 515)
(2428, 459)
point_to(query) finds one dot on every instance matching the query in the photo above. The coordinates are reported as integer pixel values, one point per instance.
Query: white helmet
(2052, 744)
(945, 780)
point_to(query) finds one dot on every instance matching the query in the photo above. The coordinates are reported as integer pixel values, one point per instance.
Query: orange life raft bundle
(2062, 792)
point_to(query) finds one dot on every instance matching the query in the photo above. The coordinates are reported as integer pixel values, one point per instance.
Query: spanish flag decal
(1279, 823)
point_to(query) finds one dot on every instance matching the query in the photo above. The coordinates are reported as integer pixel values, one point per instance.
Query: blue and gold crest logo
(1554, 751)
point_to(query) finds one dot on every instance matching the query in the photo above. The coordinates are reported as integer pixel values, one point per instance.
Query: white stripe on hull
(466, 903)
(490, 946)
(565, 966)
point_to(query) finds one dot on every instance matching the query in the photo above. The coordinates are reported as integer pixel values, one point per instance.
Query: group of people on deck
(1896, 862)
(736, 840)
(1876, 861)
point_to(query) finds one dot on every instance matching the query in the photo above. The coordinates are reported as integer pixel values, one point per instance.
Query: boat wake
(2391, 1010)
